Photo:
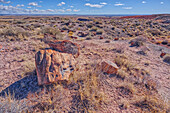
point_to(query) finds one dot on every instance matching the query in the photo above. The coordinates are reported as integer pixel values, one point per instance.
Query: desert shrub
(10, 105)
(154, 32)
(89, 38)
(64, 28)
(126, 88)
(89, 25)
(99, 32)
(138, 41)
(152, 104)
(50, 99)
(19, 22)
(98, 22)
(14, 34)
(56, 34)
(89, 97)
(93, 29)
(122, 74)
(50, 30)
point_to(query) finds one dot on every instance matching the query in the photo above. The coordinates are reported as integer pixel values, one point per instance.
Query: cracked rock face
(52, 66)
(109, 67)
(65, 46)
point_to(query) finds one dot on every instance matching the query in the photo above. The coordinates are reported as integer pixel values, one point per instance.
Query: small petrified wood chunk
(109, 67)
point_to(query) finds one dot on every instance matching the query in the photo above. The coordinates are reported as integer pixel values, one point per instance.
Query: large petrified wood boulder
(109, 67)
(52, 66)
(65, 46)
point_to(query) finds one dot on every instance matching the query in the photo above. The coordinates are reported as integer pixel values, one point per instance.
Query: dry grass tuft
(90, 95)
(151, 104)
(50, 99)
(122, 61)
(10, 105)
(13, 34)
(52, 31)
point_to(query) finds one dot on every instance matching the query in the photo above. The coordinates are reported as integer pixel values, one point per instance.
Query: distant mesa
(156, 17)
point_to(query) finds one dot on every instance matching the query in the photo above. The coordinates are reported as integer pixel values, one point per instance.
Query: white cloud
(61, 10)
(127, 7)
(18, 10)
(3, 1)
(11, 10)
(76, 10)
(22, 5)
(71, 6)
(33, 4)
(62, 3)
(68, 10)
(50, 10)
(94, 5)
(162, 3)
(143, 2)
(103, 3)
(118, 4)
(40, 1)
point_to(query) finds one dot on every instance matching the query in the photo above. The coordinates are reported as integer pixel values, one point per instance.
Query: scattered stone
(141, 53)
(165, 42)
(73, 37)
(116, 39)
(109, 67)
(81, 34)
(101, 37)
(167, 59)
(88, 38)
(107, 41)
(146, 64)
(1, 46)
(162, 55)
(139, 41)
(52, 66)
(65, 46)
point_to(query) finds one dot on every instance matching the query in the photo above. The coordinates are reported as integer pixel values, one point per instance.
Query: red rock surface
(109, 67)
(52, 66)
(162, 54)
(65, 46)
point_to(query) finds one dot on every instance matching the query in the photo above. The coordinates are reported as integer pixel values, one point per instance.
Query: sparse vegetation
(12, 33)
(11, 105)
(136, 87)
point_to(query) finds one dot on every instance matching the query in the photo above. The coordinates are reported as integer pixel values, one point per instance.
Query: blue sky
(84, 6)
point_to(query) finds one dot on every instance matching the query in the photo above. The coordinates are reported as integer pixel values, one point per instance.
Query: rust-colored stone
(65, 46)
(109, 67)
(162, 54)
(52, 66)
(116, 39)
(101, 37)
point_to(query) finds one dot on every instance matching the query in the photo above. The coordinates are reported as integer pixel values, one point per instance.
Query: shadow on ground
(21, 88)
